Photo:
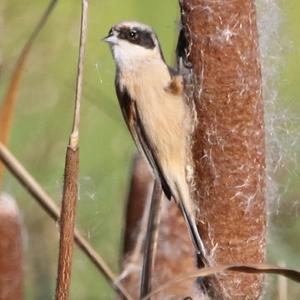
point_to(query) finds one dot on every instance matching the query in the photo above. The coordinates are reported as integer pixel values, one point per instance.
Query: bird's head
(133, 42)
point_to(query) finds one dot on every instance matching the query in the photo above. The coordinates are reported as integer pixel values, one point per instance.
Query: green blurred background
(43, 121)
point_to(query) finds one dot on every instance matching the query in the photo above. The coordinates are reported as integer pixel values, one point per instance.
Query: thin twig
(48, 204)
(70, 191)
(151, 239)
(247, 268)
(9, 102)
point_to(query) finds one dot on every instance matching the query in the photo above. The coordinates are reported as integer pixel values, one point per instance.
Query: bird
(151, 99)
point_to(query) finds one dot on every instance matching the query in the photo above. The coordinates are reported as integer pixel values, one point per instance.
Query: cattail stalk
(219, 42)
(70, 191)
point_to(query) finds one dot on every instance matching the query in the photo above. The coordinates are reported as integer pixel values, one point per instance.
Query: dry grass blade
(9, 102)
(70, 191)
(151, 239)
(251, 268)
(48, 204)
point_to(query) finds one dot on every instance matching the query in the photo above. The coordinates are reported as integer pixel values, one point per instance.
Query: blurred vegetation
(42, 125)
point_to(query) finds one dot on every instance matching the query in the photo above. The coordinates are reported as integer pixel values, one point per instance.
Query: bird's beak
(111, 39)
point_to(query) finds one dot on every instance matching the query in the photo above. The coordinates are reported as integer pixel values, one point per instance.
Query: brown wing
(139, 134)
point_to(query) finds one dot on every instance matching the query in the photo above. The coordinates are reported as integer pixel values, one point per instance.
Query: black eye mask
(135, 36)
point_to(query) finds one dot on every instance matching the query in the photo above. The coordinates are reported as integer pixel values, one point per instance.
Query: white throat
(129, 56)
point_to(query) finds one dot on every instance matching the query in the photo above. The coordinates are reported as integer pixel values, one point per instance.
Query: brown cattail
(174, 254)
(11, 250)
(219, 41)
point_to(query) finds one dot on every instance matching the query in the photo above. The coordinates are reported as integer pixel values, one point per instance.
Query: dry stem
(83, 35)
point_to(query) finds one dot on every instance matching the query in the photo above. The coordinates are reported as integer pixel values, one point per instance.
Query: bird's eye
(133, 34)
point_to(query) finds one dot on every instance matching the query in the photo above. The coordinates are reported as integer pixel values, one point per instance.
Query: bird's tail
(186, 209)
